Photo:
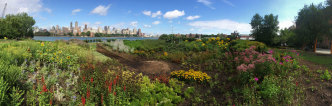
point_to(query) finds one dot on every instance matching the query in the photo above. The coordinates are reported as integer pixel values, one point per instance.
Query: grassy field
(325, 60)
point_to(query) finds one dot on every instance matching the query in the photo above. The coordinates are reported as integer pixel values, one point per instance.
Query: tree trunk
(315, 45)
(331, 47)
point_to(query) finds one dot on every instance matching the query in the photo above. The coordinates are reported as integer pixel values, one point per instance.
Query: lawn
(325, 60)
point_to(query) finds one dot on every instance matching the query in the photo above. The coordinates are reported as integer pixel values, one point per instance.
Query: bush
(240, 45)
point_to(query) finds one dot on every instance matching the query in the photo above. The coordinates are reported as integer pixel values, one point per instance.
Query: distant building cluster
(77, 30)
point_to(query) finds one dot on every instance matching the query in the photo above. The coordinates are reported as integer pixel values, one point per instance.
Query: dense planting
(214, 71)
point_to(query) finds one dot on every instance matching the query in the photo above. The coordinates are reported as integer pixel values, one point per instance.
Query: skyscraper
(85, 27)
(139, 33)
(76, 25)
(71, 26)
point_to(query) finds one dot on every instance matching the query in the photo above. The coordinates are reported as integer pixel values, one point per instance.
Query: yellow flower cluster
(191, 75)
(5, 38)
(198, 40)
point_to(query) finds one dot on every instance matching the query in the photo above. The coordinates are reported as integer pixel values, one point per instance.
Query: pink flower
(236, 59)
(256, 79)
(271, 51)
(281, 63)
(246, 60)
(251, 66)
(242, 67)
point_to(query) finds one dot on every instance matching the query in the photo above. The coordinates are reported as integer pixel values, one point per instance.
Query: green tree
(286, 37)
(88, 33)
(264, 29)
(17, 26)
(310, 25)
(83, 34)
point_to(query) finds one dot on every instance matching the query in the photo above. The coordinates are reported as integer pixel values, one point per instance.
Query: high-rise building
(86, 27)
(139, 33)
(135, 31)
(76, 25)
(71, 26)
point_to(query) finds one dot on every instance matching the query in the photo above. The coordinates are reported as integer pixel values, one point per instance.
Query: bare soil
(318, 92)
(138, 64)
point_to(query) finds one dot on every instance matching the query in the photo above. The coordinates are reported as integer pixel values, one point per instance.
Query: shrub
(240, 45)
(191, 76)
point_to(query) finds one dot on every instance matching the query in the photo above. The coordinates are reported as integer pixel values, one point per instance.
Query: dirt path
(136, 63)
(318, 92)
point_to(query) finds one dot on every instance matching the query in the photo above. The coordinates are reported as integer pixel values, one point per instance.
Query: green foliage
(326, 75)
(154, 93)
(3, 92)
(311, 24)
(265, 29)
(16, 97)
(287, 36)
(189, 92)
(240, 45)
(270, 89)
(17, 26)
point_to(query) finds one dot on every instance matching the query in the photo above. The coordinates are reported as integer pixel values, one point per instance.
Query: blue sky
(158, 16)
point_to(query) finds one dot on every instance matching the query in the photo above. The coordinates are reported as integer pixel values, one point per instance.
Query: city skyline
(57, 30)
(158, 17)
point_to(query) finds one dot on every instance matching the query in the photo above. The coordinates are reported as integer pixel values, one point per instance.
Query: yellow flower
(186, 40)
(228, 39)
(218, 38)
(42, 44)
(165, 54)
(5, 38)
(198, 40)
(203, 44)
(54, 53)
(60, 52)
(68, 57)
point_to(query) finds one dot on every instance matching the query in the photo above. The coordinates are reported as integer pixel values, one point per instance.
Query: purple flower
(256, 79)
(280, 63)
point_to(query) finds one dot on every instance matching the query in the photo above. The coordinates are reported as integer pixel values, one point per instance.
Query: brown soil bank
(138, 64)
(317, 92)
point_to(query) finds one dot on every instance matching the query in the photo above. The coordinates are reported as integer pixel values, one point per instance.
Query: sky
(158, 16)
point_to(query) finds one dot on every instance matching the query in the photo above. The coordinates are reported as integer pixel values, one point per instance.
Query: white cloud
(75, 11)
(174, 14)
(226, 25)
(153, 15)
(28, 6)
(147, 26)
(97, 23)
(193, 17)
(170, 21)
(101, 10)
(133, 24)
(228, 3)
(158, 13)
(148, 13)
(206, 3)
(156, 22)
(48, 10)
(285, 24)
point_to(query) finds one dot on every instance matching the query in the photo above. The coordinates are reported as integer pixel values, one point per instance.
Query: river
(53, 38)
